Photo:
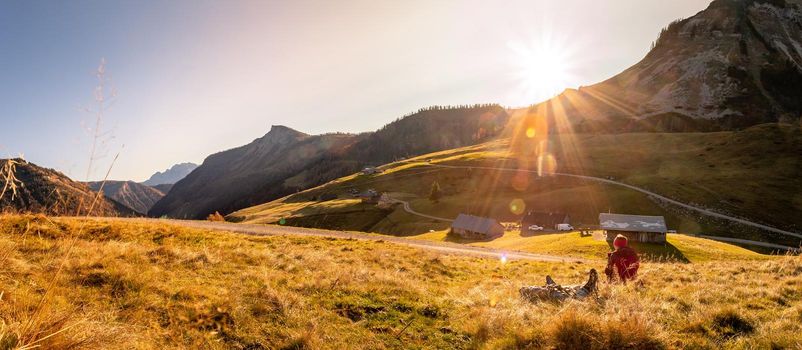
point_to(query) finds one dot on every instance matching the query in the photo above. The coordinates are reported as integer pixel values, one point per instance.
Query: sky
(192, 78)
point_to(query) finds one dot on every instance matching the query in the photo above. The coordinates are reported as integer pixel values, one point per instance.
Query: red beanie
(620, 241)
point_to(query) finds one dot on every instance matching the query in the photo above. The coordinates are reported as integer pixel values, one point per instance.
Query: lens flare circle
(530, 132)
(517, 206)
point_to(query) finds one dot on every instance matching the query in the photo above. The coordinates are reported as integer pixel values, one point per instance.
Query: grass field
(680, 248)
(68, 284)
(750, 174)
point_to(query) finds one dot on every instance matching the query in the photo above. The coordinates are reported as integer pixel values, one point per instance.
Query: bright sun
(543, 71)
(546, 72)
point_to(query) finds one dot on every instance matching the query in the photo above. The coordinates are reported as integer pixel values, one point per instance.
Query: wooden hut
(476, 227)
(637, 228)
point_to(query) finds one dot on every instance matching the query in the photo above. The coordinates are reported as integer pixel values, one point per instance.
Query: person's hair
(621, 236)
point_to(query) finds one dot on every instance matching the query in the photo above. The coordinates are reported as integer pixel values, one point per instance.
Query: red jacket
(625, 262)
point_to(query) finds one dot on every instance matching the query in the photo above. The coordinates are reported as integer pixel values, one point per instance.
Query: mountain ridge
(172, 175)
(47, 191)
(284, 160)
(134, 195)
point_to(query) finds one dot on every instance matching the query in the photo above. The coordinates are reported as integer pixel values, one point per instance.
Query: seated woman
(623, 261)
(555, 292)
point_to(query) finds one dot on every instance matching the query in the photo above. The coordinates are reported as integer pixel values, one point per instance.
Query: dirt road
(409, 209)
(274, 230)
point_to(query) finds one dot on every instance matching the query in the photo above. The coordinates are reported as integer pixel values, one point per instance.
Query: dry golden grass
(149, 286)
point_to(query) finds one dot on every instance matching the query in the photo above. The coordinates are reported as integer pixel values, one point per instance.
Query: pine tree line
(661, 38)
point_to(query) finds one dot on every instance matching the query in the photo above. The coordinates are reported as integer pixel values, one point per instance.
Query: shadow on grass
(353, 220)
(656, 252)
(528, 233)
(455, 238)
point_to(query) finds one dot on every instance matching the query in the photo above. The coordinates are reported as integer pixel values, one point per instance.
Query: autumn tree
(435, 193)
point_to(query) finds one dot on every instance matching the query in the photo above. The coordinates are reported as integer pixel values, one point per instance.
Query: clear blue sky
(198, 77)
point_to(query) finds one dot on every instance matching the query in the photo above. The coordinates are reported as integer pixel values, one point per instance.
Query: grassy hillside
(680, 248)
(749, 174)
(72, 284)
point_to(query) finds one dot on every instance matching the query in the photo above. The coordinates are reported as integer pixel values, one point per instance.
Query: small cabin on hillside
(370, 170)
(385, 201)
(476, 227)
(637, 228)
(547, 221)
(370, 196)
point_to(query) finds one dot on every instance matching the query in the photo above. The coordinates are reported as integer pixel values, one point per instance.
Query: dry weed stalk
(40, 325)
(10, 181)
(104, 97)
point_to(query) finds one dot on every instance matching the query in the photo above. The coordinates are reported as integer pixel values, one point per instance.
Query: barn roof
(635, 223)
(474, 223)
(547, 219)
(369, 194)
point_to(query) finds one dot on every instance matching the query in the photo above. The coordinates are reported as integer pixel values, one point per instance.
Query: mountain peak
(280, 134)
(284, 130)
(735, 64)
(171, 175)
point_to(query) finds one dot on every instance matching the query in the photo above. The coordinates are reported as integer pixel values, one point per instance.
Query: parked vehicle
(535, 228)
(564, 227)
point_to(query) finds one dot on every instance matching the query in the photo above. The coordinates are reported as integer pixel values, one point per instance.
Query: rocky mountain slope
(735, 64)
(163, 188)
(42, 190)
(749, 174)
(172, 175)
(133, 195)
(285, 161)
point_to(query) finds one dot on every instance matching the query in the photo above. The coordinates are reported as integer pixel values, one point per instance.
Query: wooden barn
(475, 227)
(370, 170)
(637, 228)
(370, 196)
(548, 221)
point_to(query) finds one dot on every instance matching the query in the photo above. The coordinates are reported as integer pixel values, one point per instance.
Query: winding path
(275, 230)
(647, 192)
(408, 209)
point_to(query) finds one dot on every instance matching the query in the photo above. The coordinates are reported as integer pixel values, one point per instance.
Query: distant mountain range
(133, 195)
(50, 192)
(735, 64)
(285, 161)
(172, 175)
(163, 188)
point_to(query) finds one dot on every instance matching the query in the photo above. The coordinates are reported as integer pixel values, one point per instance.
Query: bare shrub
(215, 217)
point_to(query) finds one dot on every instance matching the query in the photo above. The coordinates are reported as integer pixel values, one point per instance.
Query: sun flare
(543, 71)
(546, 71)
